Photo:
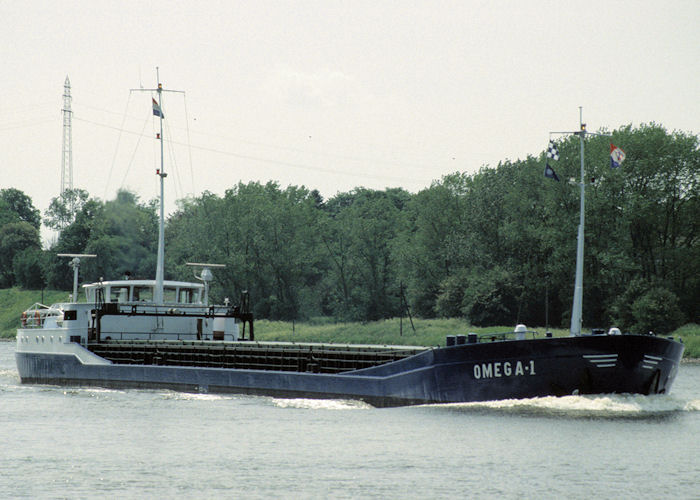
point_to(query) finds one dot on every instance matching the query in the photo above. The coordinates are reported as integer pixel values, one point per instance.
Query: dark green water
(58, 442)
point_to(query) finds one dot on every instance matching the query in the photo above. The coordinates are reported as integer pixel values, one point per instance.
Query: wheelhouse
(142, 291)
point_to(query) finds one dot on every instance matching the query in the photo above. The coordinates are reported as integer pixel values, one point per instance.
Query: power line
(259, 159)
(18, 125)
(286, 148)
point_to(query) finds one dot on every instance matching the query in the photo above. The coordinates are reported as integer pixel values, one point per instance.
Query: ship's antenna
(577, 306)
(205, 276)
(158, 111)
(75, 264)
(67, 156)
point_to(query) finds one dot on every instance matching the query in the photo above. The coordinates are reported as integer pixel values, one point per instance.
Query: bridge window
(119, 294)
(169, 294)
(187, 296)
(143, 294)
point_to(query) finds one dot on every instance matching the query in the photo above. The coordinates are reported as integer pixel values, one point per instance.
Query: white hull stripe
(650, 362)
(601, 360)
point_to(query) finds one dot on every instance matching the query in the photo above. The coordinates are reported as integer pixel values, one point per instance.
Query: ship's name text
(498, 369)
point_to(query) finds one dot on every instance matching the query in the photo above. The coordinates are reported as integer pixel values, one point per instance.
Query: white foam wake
(11, 374)
(604, 406)
(194, 396)
(321, 404)
(91, 392)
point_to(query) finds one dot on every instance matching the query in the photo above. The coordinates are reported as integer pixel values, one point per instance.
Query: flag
(156, 109)
(549, 172)
(552, 151)
(617, 156)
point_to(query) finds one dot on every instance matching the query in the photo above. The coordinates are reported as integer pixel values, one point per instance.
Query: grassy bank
(388, 332)
(14, 300)
(427, 331)
(690, 334)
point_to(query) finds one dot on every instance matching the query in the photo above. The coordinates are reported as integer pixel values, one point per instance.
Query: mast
(577, 306)
(160, 264)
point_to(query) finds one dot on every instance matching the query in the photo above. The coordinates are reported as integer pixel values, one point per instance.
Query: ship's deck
(275, 356)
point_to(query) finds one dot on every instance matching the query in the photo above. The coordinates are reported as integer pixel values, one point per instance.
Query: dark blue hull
(462, 373)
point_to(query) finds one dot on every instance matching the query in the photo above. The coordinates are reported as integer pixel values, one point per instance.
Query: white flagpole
(577, 306)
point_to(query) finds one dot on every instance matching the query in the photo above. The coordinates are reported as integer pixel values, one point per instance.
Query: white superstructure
(125, 310)
(129, 309)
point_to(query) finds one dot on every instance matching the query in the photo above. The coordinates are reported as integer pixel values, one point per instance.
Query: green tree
(64, 209)
(74, 238)
(15, 238)
(662, 209)
(657, 311)
(124, 238)
(28, 267)
(497, 246)
(266, 236)
(14, 201)
(426, 248)
(363, 274)
(641, 224)
(121, 232)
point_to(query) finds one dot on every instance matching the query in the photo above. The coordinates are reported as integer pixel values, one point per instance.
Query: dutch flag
(617, 156)
(156, 109)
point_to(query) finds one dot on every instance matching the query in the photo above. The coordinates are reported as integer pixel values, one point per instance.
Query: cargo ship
(165, 334)
(195, 348)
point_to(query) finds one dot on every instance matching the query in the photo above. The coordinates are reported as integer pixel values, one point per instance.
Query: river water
(58, 442)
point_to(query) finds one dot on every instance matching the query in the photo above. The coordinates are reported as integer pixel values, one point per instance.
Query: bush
(622, 307)
(449, 299)
(658, 311)
(492, 298)
(29, 270)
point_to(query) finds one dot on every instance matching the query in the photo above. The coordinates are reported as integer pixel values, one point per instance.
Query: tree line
(496, 247)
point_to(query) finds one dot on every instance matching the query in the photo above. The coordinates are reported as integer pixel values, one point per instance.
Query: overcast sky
(328, 94)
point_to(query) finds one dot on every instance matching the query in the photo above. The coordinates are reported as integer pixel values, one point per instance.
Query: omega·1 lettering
(498, 369)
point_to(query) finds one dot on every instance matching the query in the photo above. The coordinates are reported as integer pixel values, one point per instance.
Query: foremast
(577, 306)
